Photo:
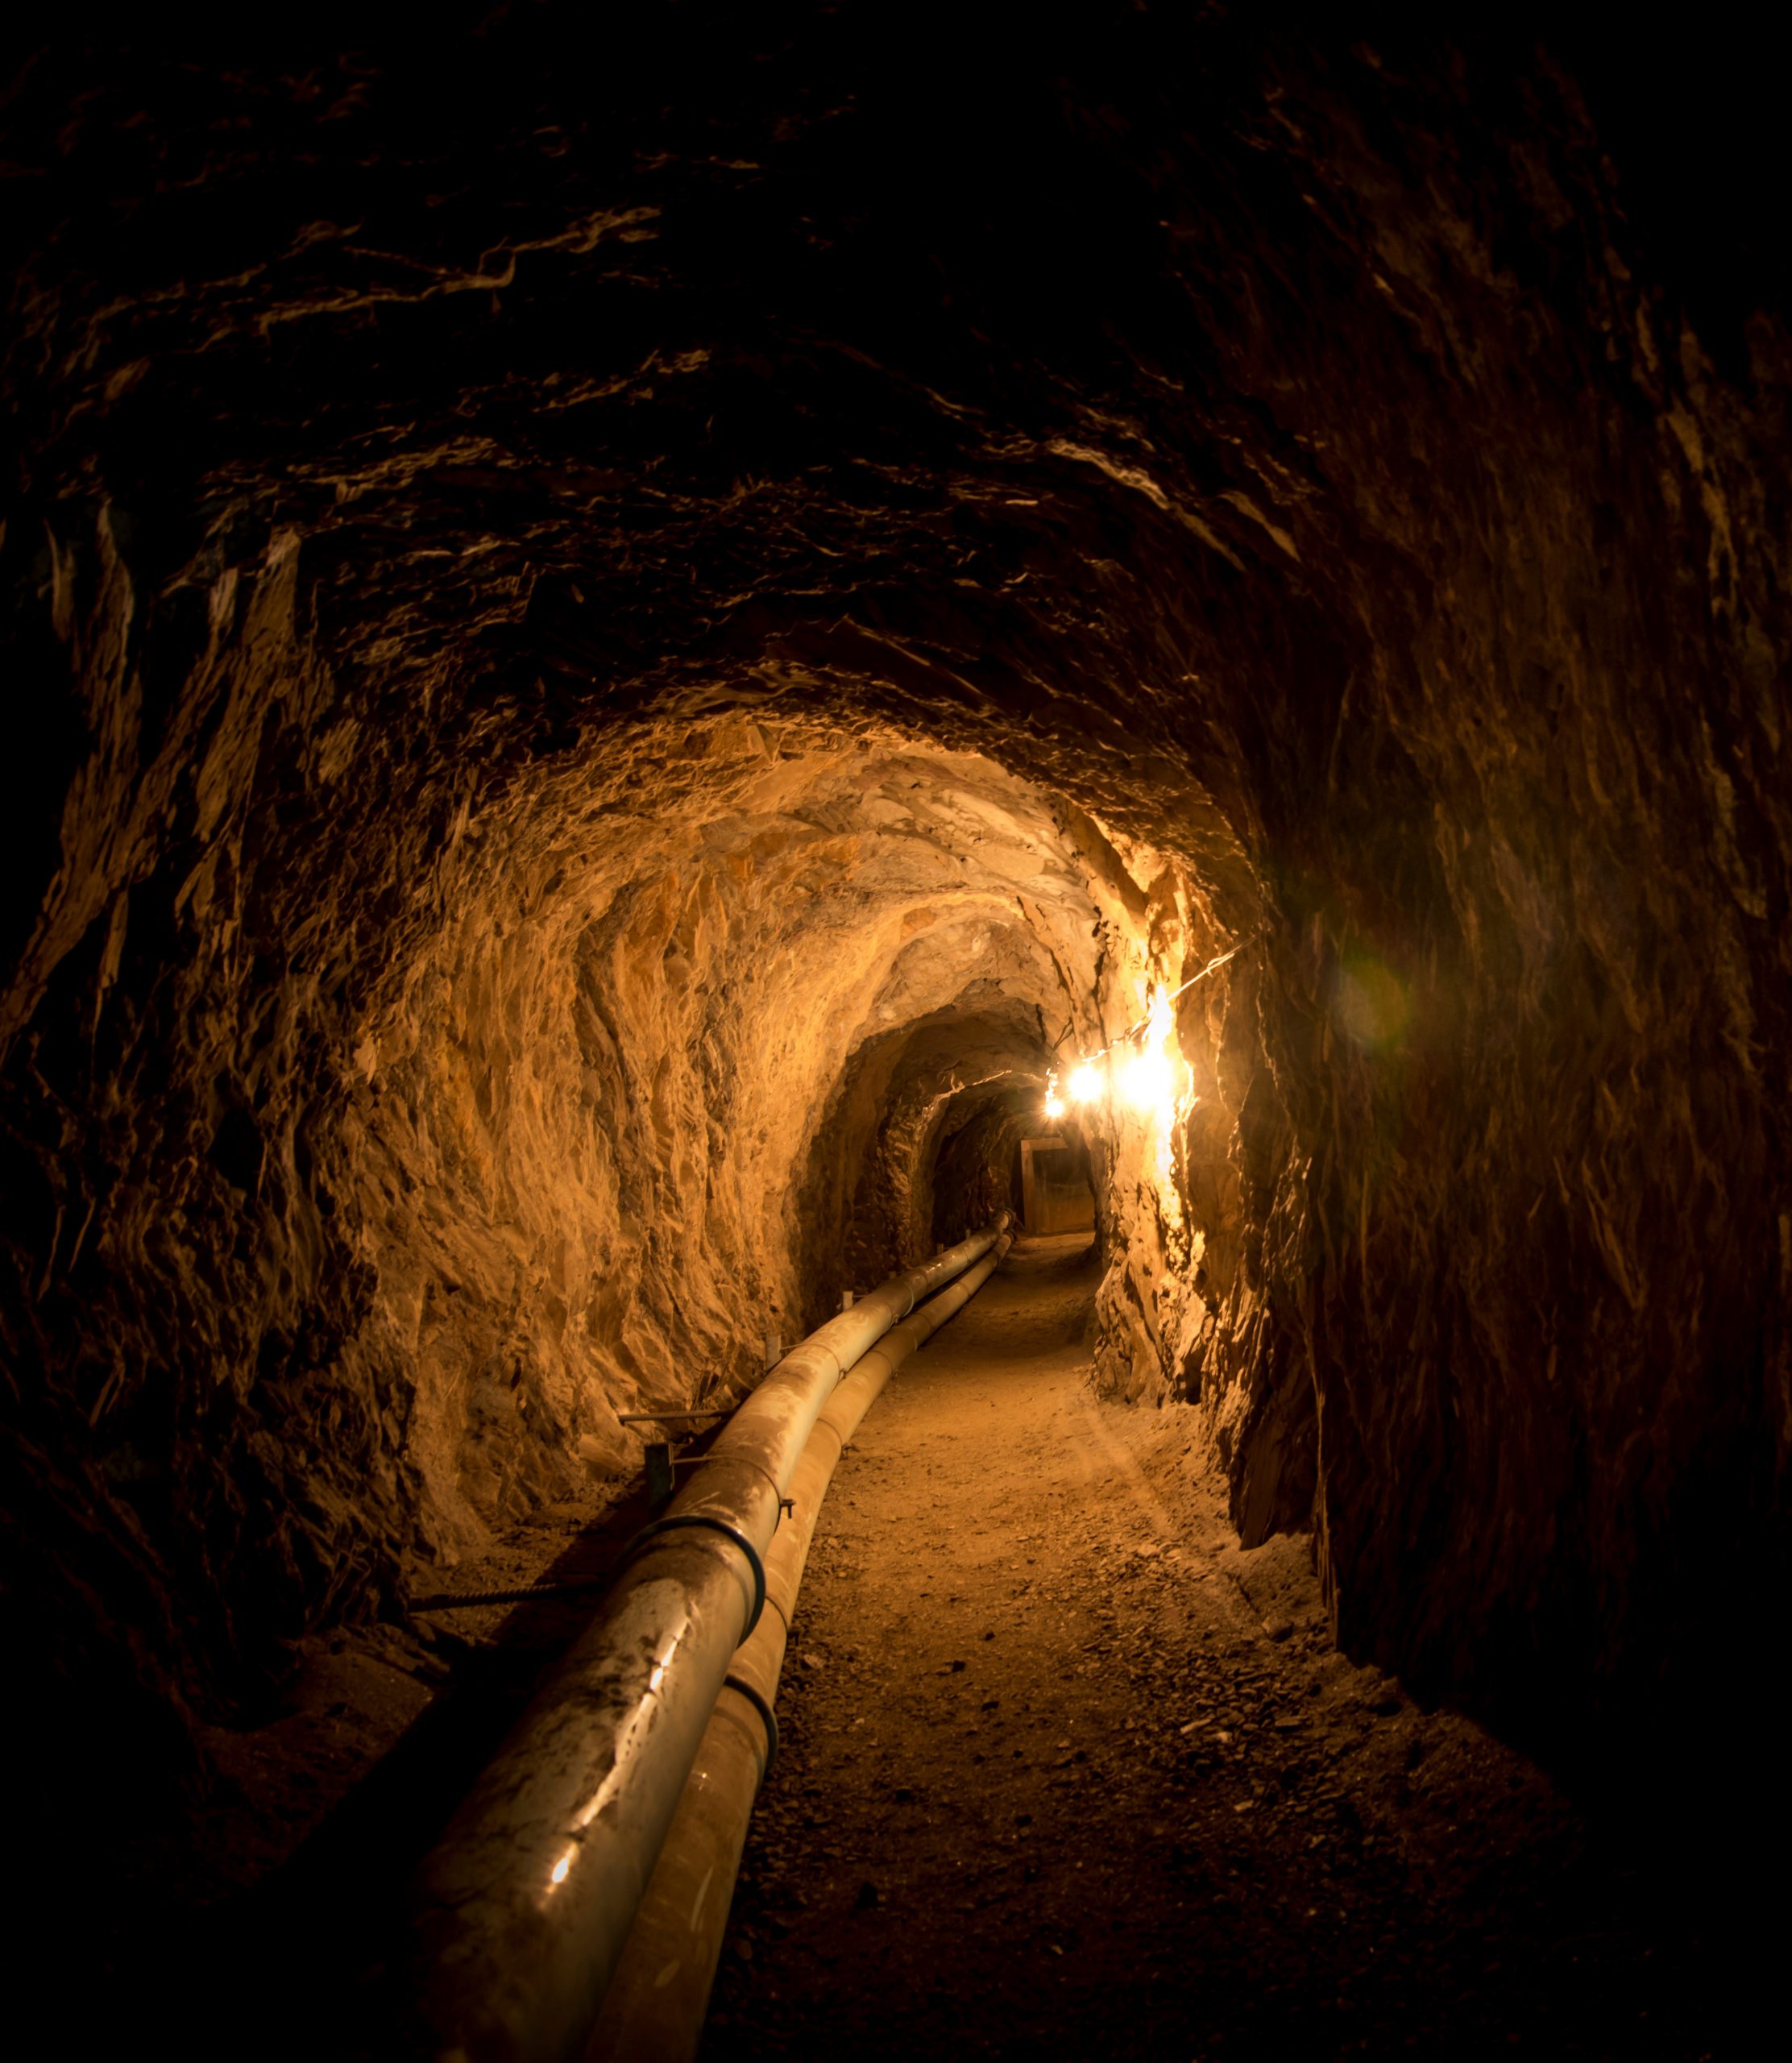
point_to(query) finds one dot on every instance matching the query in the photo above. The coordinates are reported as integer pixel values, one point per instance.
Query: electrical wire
(1134, 1030)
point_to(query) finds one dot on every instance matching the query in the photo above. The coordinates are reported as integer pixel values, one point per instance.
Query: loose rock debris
(1078, 1793)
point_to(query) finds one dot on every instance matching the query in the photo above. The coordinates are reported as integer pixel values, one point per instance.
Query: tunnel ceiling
(613, 647)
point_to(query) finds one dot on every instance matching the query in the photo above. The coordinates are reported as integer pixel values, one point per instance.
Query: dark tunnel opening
(657, 672)
(1050, 1185)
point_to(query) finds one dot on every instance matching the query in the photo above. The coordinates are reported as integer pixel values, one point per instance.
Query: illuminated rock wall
(552, 597)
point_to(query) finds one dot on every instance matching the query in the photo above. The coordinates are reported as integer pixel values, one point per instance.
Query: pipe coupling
(761, 1704)
(674, 1521)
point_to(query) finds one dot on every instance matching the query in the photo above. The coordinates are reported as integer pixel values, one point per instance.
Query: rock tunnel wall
(490, 539)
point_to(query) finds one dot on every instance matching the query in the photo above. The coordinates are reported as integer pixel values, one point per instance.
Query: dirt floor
(1066, 1774)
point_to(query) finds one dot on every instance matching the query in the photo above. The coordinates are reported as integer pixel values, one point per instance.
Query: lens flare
(1086, 1085)
(1148, 1079)
(1146, 1083)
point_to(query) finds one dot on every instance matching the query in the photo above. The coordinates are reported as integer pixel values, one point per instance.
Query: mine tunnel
(1000, 822)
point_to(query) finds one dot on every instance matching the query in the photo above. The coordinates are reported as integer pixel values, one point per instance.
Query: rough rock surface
(544, 596)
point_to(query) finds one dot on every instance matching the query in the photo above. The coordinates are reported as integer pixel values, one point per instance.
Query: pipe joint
(762, 1705)
(675, 1521)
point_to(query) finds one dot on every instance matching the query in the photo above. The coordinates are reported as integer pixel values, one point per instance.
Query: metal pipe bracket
(674, 1521)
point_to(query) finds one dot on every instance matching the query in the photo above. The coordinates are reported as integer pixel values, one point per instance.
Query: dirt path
(1065, 1774)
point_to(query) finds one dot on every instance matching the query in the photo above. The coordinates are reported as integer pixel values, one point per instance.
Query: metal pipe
(654, 2009)
(523, 1905)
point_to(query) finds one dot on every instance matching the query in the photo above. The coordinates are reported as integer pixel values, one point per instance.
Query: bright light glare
(1086, 1085)
(1148, 1079)
(1054, 1104)
(1148, 1085)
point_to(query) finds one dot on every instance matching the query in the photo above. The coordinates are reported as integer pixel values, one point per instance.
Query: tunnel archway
(618, 663)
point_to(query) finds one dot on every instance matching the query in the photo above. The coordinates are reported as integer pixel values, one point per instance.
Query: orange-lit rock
(592, 643)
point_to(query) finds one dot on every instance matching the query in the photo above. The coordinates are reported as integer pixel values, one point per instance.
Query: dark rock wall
(1277, 452)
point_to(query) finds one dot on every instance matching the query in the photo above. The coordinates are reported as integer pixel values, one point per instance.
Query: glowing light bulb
(1086, 1085)
(1054, 1104)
